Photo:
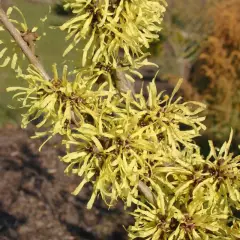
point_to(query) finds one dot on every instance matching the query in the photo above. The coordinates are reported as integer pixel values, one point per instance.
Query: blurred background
(200, 42)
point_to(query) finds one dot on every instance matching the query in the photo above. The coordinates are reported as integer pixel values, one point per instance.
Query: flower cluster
(118, 139)
(127, 140)
(110, 26)
(194, 197)
(62, 104)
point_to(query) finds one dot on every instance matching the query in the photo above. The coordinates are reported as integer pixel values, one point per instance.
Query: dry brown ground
(35, 199)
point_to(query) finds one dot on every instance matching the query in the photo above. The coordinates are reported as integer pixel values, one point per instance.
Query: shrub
(139, 150)
(219, 67)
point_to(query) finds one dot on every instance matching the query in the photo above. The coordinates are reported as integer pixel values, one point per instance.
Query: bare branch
(22, 44)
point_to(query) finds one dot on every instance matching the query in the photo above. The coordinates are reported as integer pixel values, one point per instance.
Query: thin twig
(22, 44)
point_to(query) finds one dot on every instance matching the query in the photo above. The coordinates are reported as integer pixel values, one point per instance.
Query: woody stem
(22, 44)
